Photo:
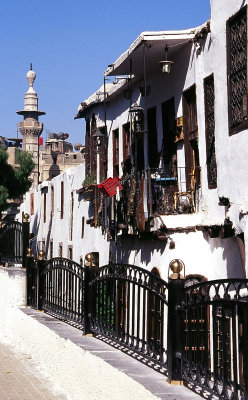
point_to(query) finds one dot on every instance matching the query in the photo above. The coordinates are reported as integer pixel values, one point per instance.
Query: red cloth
(40, 141)
(109, 187)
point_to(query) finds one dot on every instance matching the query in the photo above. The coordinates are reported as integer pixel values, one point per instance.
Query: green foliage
(4, 194)
(89, 180)
(14, 182)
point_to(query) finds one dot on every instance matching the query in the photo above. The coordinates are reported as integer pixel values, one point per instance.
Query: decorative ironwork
(11, 242)
(237, 58)
(62, 289)
(129, 307)
(215, 345)
(210, 131)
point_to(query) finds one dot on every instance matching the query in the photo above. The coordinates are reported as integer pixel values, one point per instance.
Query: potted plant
(89, 184)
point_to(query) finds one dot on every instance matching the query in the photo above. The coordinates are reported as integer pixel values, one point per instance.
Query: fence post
(25, 238)
(40, 279)
(88, 293)
(174, 335)
(29, 260)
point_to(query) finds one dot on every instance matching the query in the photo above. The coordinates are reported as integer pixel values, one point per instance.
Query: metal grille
(11, 241)
(215, 338)
(62, 290)
(237, 58)
(210, 131)
(129, 307)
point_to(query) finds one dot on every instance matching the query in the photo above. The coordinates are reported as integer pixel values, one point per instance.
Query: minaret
(31, 128)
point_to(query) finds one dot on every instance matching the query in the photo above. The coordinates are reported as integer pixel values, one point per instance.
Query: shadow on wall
(48, 236)
(143, 250)
(230, 254)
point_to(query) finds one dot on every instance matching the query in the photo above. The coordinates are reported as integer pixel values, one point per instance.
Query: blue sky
(70, 44)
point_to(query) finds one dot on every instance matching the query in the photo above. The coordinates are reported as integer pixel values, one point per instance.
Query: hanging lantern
(137, 117)
(166, 65)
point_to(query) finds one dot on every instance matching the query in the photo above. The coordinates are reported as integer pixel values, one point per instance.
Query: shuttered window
(210, 131)
(237, 71)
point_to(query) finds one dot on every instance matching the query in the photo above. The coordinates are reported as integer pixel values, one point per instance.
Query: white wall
(56, 229)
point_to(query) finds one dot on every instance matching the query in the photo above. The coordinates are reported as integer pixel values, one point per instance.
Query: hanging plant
(89, 180)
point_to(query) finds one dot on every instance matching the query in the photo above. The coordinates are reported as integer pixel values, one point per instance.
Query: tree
(14, 182)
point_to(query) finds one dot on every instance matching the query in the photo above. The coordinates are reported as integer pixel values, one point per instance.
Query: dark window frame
(32, 204)
(62, 200)
(210, 131)
(242, 125)
(190, 129)
(45, 206)
(116, 149)
(126, 139)
(153, 155)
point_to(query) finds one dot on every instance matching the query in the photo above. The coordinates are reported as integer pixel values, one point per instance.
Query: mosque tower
(31, 128)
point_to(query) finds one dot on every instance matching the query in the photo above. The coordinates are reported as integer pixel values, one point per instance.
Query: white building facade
(177, 145)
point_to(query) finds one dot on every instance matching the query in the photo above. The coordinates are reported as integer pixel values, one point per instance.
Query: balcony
(167, 194)
(172, 192)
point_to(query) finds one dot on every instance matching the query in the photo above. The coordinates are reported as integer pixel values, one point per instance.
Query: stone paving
(20, 381)
(152, 380)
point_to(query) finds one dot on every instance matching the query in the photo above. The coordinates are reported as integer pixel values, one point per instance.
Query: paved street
(19, 381)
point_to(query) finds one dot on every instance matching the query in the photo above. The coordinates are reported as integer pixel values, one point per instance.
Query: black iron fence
(197, 333)
(62, 289)
(129, 307)
(215, 337)
(14, 240)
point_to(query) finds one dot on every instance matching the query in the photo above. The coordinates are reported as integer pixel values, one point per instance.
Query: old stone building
(58, 155)
(174, 148)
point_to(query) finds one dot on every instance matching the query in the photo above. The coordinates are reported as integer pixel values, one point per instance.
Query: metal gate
(129, 306)
(14, 240)
(215, 338)
(62, 290)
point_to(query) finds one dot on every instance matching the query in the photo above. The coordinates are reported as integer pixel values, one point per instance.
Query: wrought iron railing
(62, 289)
(130, 307)
(172, 192)
(11, 242)
(14, 238)
(215, 337)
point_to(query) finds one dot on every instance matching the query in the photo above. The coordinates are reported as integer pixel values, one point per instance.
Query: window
(152, 138)
(70, 253)
(191, 138)
(93, 146)
(71, 217)
(52, 201)
(44, 204)
(60, 250)
(103, 154)
(32, 203)
(169, 147)
(237, 71)
(51, 249)
(116, 153)
(62, 200)
(82, 228)
(210, 131)
(126, 141)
